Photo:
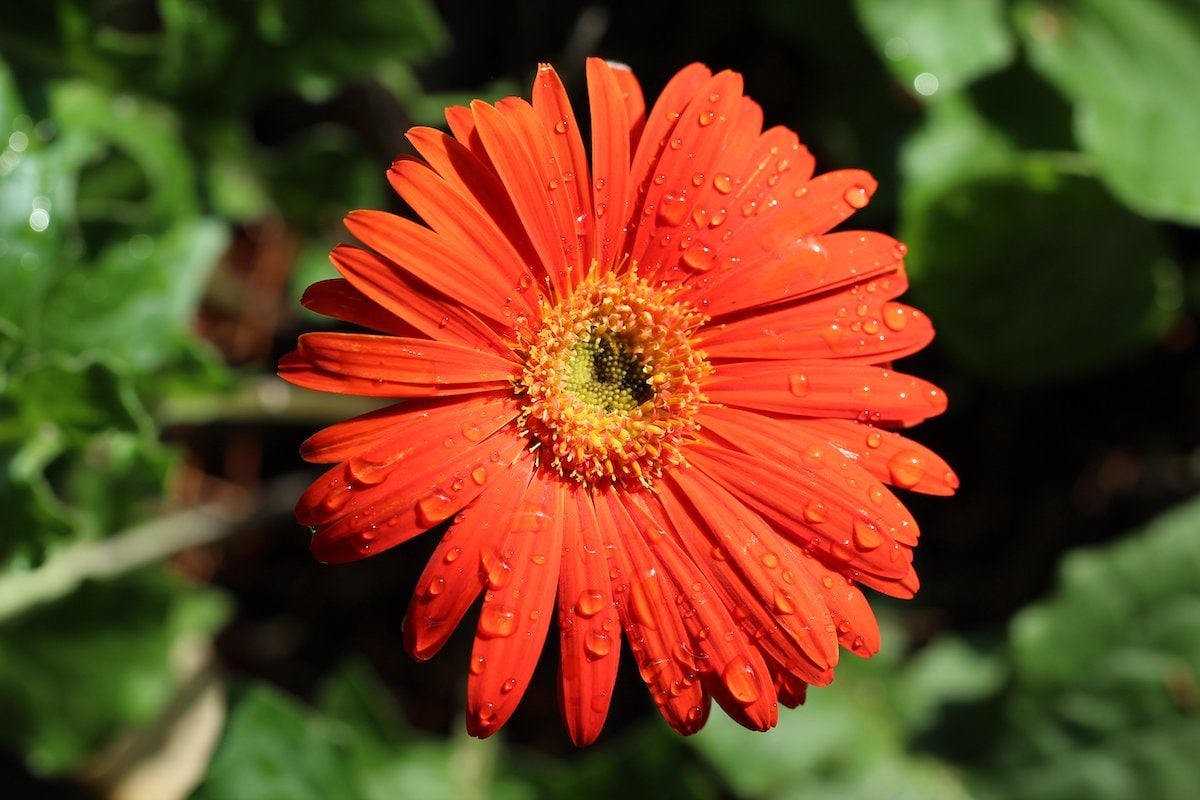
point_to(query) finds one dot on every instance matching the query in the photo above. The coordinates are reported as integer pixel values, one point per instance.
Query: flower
(651, 394)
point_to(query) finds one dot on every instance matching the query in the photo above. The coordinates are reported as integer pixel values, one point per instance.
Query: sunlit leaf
(1133, 73)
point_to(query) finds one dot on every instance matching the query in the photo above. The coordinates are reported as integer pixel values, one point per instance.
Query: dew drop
(496, 568)
(477, 665)
(472, 433)
(435, 588)
(698, 179)
(895, 316)
(723, 183)
(706, 118)
(672, 210)
(452, 555)
(856, 196)
(561, 126)
(770, 560)
(597, 644)
(906, 468)
(700, 259)
(874, 439)
(867, 535)
(783, 603)
(798, 384)
(496, 621)
(538, 559)
(740, 679)
(479, 475)
(589, 603)
(827, 582)
(815, 512)
(676, 143)
(434, 507)
(552, 184)
(508, 686)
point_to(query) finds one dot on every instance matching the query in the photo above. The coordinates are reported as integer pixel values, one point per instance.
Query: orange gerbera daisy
(655, 387)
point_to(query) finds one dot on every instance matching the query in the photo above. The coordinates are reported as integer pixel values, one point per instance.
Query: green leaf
(1133, 72)
(848, 740)
(1107, 671)
(76, 672)
(1033, 272)
(934, 47)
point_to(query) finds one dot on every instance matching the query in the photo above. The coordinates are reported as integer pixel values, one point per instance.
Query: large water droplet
(867, 535)
(435, 587)
(561, 126)
(700, 259)
(452, 555)
(434, 507)
(589, 603)
(672, 209)
(597, 644)
(723, 183)
(798, 384)
(496, 568)
(783, 603)
(895, 316)
(906, 468)
(496, 621)
(856, 196)
(706, 118)
(740, 679)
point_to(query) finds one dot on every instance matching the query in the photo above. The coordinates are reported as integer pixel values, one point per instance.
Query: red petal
(832, 473)
(826, 388)
(392, 366)
(610, 163)
(457, 570)
(474, 178)
(379, 499)
(681, 174)
(588, 626)
(465, 226)
(462, 124)
(516, 612)
(730, 667)
(760, 577)
(434, 260)
(554, 110)
(420, 306)
(774, 266)
(889, 456)
(635, 103)
(652, 624)
(339, 299)
(520, 149)
(797, 508)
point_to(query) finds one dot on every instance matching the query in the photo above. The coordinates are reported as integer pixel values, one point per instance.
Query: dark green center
(603, 372)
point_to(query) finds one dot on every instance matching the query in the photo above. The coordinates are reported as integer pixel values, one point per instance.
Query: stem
(262, 399)
(138, 546)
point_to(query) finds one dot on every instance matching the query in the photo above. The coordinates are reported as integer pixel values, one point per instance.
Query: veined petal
(356, 518)
(516, 612)
(610, 163)
(826, 388)
(777, 267)
(458, 569)
(787, 499)
(554, 110)
(433, 259)
(730, 667)
(392, 366)
(888, 456)
(461, 222)
(587, 621)
(520, 150)
(635, 102)
(653, 627)
(417, 305)
(339, 299)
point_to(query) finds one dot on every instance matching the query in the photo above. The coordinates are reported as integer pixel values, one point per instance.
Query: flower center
(611, 381)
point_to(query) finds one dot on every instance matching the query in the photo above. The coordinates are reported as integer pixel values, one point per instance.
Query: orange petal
(339, 299)
(462, 223)
(610, 163)
(762, 268)
(457, 571)
(516, 612)
(635, 103)
(879, 517)
(367, 505)
(859, 323)
(524, 159)
(402, 360)
(730, 667)
(889, 456)
(420, 306)
(588, 625)
(472, 177)
(786, 498)
(433, 259)
(759, 577)
(826, 388)
(652, 624)
(554, 110)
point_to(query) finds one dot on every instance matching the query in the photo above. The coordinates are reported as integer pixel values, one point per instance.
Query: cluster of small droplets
(611, 381)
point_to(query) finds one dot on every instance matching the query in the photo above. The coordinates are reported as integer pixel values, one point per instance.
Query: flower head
(651, 392)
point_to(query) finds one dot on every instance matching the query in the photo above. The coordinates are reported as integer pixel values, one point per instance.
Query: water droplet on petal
(597, 644)
(672, 209)
(479, 475)
(477, 665)
(435, 587)
(867, 535)
(783, 603)
(740, 680)
(770, 560)
(496, 621)
(856, 196)
(700, 259)
(874, 439)
(906, 468)
(561, 126)
(452, 555)
(706, 118)
(815, 512)
(798, 384)
(723, 183)
(589, 604)
(434, 507)
(895, 316)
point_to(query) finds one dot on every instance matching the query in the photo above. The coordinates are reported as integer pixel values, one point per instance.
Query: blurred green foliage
(1043, 152)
